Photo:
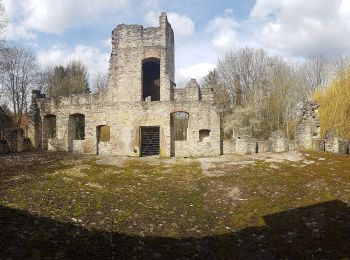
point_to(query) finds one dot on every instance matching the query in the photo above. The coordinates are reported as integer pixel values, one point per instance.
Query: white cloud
(196, 71)
(229, 11)
(301, 27)
(151, 18)
(225, 31)
(92, 58)
(345, 7)
(19, 31)
(181, 24)
(263, 8)
(151, 4)
(56, 16)
(107, 43)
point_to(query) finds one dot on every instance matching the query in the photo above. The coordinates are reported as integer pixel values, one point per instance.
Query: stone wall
(133, 44)
(126, 110)
(318, 144)
(245, 145)
(293, 145)
(335, 144)
(229, 146)
(280, 142)
(264, 146)
(193, 92)
(308, 126)
(13, 140)
(308, 133)
(125, 120)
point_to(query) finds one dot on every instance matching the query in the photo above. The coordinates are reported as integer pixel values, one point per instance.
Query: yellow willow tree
(334, 106)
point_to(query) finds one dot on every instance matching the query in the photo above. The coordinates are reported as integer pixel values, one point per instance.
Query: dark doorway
(348, 151)
(150, 141)
(151, 80)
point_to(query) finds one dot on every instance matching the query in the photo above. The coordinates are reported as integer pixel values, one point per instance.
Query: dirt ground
(63, 206)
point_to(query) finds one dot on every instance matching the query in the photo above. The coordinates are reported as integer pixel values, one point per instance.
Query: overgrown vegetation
(258, 93)
(334, 102)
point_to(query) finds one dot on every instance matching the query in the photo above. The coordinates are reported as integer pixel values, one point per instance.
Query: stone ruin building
(143, 113)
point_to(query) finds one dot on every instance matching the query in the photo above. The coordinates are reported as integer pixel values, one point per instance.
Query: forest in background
(258, 93)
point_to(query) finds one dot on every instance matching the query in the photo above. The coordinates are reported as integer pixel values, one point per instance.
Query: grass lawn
(64, 206)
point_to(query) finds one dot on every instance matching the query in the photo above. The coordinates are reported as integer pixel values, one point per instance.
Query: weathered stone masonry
(138, 115)
(141, 94)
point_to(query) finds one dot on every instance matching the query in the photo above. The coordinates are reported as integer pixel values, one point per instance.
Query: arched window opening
(204, 135)
(179, 123)
(151, 80)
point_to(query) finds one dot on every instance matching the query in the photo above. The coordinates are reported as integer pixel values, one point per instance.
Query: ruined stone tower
(142, 112)
(142, 62)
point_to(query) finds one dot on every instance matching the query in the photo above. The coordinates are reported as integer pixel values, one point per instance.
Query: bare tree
(3, 25)
(100, 83)
(19, 74)
(65, 81)
(316, 71)
(244, 70)
(264, 91)
(340, 66)
(221, 95)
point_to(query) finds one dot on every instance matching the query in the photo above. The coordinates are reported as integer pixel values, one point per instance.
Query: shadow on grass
(317, 231)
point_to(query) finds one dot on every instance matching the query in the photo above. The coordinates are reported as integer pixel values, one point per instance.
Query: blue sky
(205, 30)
